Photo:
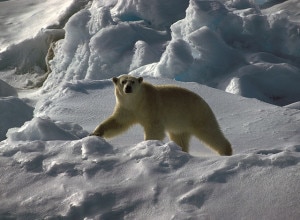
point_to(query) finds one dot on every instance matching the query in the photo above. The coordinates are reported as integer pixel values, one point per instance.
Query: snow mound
(217, 39)
(253, 81)
(221, 44)
(154, 12)
(45, 129)
(195, 59)
(89, 178)
(13, 113)
(18, 57)
(94, 49)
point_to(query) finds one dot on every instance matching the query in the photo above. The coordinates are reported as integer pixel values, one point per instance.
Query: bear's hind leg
(215, 139)
(181, 139)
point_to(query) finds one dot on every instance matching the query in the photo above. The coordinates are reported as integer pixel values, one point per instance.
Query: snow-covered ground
(241, 56)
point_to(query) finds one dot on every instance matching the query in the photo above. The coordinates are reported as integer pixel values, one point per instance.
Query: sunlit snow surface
(51, 169)
(22, 20)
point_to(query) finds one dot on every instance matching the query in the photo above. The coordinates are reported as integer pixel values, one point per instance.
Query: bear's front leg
(110, 128)
(99, 131)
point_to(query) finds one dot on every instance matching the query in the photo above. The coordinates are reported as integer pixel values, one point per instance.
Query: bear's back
(179, 102)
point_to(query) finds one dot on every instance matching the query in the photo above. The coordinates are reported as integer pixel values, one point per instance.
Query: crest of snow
(295, 105)
(44, 129)
(153, 12)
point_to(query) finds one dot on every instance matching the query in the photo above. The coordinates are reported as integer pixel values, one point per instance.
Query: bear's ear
(115, 80)
(140, 79)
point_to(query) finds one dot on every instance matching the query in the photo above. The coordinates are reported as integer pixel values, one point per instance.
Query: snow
(21, 20)
(241, 56)
(44, 129)
(13, 113)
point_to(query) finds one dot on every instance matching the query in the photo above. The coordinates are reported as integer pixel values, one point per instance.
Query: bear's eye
(124, 82)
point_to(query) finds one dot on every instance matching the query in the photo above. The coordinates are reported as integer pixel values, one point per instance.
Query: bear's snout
(128, 89)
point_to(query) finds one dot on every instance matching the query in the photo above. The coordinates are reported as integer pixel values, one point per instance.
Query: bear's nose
(128, 89)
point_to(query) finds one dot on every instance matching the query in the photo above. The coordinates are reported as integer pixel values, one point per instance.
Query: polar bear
(160, 109)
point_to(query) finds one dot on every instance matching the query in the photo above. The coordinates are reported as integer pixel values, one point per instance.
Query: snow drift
(89, 178)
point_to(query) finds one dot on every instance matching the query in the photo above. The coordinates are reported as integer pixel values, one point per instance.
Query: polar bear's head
(126, 84)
